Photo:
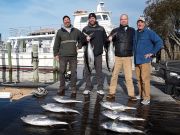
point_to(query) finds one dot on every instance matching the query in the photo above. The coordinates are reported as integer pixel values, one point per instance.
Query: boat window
(84, 19)
(105, 17)
(98, 17)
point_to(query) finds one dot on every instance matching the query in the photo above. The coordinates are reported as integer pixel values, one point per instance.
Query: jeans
(98, 68)
(73, 68)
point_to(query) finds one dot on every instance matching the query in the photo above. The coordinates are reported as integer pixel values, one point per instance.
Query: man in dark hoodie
(67, 42)
(98, 39)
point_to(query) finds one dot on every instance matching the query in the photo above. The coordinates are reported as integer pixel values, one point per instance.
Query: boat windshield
(84, 19)
(105, 17)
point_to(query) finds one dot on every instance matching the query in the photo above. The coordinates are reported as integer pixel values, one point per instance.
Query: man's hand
(110, 38)
(88, 38)
(149, 55)
(57, 58)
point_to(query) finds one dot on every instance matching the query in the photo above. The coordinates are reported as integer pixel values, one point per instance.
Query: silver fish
(115, 106)
(90, 54)
(120, 116)
(110, 57)
(41, 120)
(53, 107)
(62, 99)
(120, 127)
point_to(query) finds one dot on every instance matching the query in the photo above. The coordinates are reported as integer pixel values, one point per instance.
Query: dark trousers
(73, 68)
(98, 68)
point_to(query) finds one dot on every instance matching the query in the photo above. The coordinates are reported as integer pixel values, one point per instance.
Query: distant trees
(163, 16)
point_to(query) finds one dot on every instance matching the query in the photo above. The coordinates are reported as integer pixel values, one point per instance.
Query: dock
(162, 116)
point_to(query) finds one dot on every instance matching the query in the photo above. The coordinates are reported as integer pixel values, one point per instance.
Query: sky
(42, 13)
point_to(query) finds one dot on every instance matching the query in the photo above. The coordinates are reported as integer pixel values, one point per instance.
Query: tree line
(163, 16)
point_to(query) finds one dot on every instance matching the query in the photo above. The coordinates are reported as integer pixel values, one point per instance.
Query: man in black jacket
(67, 41)
(123, 42)
(98, 39)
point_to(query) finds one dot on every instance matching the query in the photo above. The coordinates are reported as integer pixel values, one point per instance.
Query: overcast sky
(26, 13)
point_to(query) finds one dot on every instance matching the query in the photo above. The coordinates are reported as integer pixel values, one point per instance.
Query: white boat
(22, 44)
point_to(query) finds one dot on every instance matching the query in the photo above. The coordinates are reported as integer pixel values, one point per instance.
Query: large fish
(53, 107)
(89, 56)
(120, 127)
(41, 120)
(115, 106)
(63, 99)
(110, 57)
(120, 116)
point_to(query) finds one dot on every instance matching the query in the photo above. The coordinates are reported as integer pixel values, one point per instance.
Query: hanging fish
(89, 56)
(110, 55)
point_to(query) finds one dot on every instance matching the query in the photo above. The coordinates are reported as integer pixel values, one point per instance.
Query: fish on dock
(54, 107)
(64, 100)
(115, 106)
(41, 120)
(119, 127)
(120, 116)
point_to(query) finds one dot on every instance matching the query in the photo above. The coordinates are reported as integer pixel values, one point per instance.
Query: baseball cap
(141, 19)
(66, 17)
(92, 15)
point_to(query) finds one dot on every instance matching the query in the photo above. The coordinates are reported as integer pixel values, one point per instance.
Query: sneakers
(86, 92)
(132, 98)
(74, 90)
(61, 92)
(110, 96)
(145, 102)
(101, 92)
(138, 97)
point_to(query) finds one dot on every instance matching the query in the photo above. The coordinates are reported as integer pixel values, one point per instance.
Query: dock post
(35, 60)
(9, 48)
(54, 65)
(55, 70)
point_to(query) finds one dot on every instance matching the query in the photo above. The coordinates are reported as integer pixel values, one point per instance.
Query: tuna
(41, 120)
(62, 99)
(120, 127)
(110, 57)
(89, 57)
(120, 116)
(53, 107)
(115, 106)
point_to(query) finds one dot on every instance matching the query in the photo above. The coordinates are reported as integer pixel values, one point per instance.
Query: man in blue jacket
(146, 44)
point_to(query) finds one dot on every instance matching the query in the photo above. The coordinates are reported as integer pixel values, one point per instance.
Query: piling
(35, 60)
(9, 48)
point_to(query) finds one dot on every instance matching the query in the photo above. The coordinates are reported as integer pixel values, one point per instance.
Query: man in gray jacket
(67, 42)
